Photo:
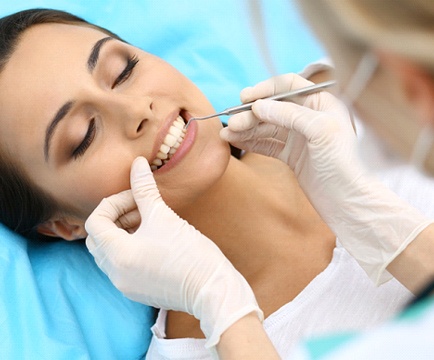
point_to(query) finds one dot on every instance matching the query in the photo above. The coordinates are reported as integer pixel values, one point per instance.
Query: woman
(79, 105)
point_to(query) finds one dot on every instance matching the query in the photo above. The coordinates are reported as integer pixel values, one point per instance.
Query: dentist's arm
(168, 264)
(246, 339)
(315, 137)
(414, 266)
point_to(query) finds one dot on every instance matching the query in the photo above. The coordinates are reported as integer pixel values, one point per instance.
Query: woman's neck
(262, 221)
(258, 212)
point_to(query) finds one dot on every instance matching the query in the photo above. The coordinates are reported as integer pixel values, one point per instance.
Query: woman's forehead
(53, 37)
(48, 58)
(46, 55)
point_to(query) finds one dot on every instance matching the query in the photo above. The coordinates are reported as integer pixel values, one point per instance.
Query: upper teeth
(170, 144)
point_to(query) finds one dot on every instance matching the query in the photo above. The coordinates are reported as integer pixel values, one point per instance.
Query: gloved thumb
(101, 224)
(143, 185)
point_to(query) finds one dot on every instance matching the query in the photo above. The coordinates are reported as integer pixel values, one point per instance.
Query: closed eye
(88, 138)
(91, 131)
(127, 71)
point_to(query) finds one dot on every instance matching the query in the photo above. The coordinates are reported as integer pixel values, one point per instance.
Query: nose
(129, 113)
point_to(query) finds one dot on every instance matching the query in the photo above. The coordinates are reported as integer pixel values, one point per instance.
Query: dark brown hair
(23, 206)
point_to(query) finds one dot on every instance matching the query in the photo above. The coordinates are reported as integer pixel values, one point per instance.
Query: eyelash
(91, 131)
(88, 138)
(126, 73)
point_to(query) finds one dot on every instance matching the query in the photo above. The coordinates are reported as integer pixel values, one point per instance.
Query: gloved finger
(106, 250)
(270, 144)
(267, 88)
(94, 248)
(263, 130)
(268, 147)
(104, 244)
(313, 125)
(320, 101)
(108, 211)
(275, 85)
(129, 221)
(277, 113)
(143, 186)
(324, 101)
(243, 121)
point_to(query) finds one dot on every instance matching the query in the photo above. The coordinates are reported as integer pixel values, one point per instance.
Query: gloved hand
(315, 137)
(167, 263)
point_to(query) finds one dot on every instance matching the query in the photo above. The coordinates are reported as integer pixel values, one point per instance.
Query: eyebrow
(94, 54)
(61, 113)
(64, 109)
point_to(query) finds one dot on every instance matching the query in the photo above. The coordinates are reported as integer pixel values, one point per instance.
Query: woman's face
(79, 107)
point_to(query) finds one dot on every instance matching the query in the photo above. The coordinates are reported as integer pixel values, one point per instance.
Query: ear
(64, 227)
(417, 84)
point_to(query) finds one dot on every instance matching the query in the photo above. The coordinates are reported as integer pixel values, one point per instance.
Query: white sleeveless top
(341, 298)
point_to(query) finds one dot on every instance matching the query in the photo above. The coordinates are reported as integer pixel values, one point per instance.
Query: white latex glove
(315, 137)
(167, 263)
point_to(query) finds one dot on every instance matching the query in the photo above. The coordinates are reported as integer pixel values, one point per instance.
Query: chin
(195, 179)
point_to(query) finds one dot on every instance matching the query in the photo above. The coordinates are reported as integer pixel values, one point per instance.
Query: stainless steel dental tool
(282, 97)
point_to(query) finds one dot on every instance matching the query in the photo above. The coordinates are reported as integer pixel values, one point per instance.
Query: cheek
(95, 183)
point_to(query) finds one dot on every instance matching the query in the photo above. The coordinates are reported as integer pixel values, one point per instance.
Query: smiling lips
(171, 143)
